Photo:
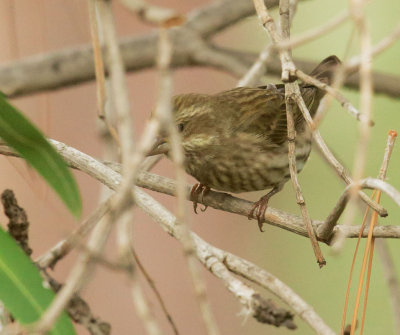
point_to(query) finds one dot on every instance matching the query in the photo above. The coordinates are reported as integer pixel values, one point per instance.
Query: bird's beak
(160, 146)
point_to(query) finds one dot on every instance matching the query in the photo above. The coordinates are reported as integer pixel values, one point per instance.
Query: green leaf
(22, 290)
(28, 141)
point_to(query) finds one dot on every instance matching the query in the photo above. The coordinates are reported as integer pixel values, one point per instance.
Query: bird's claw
(199, 190)
(259, 207)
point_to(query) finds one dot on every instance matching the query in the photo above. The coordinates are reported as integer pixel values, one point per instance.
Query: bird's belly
(247, 171)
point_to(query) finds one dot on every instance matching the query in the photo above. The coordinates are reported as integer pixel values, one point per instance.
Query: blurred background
(69, 115)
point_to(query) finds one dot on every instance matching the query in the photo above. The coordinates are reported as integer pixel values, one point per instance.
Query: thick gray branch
(73, 66)
(222, 14)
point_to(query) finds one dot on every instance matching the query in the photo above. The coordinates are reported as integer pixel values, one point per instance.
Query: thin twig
(257, 70)
(288, 68)
(99, 70)
(369, 245)
(326, 229)
(382, 45)
(314, 33)
(346, 329)
(292, 89)
(360, 158)
(147, 165)
(63, 247)
(142, 306)
(369, 248)
(344, 102)
(119, 88)
(289, 92)
(130, 160)
(164, 114)
(77, 277)
(389, 268)
(330, 158)
(98, 59)
(156, 291)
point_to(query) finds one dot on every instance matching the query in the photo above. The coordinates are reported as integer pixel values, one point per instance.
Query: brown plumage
(236, 140)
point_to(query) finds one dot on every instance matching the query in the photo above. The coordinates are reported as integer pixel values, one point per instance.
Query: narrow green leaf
(22, 290)
(28, 141)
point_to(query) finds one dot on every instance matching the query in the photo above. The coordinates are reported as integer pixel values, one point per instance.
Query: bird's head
(192, 117)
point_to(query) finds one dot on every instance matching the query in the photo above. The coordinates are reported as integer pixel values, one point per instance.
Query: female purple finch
(236, 140)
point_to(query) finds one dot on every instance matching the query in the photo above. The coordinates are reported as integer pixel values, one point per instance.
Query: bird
(236, 140)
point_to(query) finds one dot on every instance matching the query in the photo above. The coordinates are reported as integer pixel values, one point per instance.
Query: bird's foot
(258, 210)
(260, 207)
(197, 193)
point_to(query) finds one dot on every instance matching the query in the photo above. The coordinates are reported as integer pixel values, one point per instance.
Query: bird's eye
(180, 127)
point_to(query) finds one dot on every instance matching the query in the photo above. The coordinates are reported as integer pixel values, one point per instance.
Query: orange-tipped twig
(369, 248)
(352, 267)
(369, 251)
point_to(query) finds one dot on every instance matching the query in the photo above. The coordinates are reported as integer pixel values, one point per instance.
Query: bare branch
(217, 200)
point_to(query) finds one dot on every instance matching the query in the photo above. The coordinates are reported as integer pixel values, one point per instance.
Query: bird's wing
(261, 111)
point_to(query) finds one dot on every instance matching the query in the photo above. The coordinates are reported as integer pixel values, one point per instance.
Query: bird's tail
(325, 71)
